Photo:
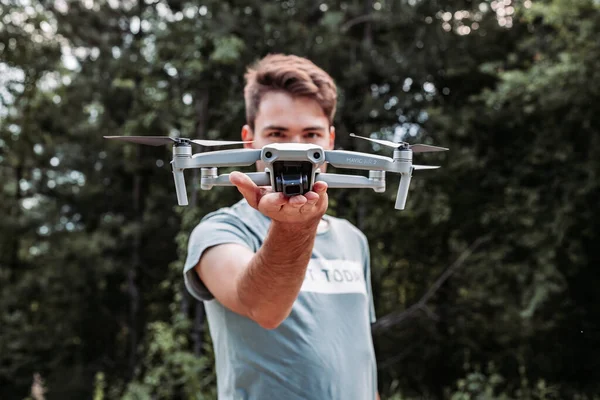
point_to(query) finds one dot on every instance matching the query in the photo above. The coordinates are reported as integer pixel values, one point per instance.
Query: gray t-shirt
(324, 349)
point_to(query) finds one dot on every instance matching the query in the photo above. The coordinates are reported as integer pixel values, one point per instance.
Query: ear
(331, 137)
(247, 135)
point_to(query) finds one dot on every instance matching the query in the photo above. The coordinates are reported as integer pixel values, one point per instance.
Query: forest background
(484, 287)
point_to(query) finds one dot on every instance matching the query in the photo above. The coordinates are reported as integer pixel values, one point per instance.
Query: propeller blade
(424, 148)
(426, 166)
(380, 141)
(216, 142)
(161, 140)
(416, 148)
(149, 140)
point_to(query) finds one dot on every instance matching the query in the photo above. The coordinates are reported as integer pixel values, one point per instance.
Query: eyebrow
(283, 128)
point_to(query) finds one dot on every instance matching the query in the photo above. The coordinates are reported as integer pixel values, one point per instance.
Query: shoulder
(343, 225)
(240, 214)
(239, 220)
(239, 211)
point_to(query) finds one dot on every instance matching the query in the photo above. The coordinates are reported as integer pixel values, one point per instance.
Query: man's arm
(264, 285)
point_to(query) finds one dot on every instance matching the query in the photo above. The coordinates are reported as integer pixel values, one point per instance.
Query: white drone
(290, 168)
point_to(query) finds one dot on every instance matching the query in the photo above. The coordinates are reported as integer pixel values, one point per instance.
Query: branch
(358, 20)
(392, 360)
(397, 317)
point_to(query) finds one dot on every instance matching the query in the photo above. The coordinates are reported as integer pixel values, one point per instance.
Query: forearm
(270, 284)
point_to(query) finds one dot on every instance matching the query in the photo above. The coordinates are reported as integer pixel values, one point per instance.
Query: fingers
(310, 199)
(247, 188)
(272, 203)
(297, 201)
(319, 194)
(320, 187)
(276, 205)
(311, 203)
(298, 208)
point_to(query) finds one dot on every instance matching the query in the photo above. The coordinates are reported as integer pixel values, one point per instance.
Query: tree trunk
(368, 32)
(368, 43)
(16, 242)
(132, 274)
(132, 288)
(202, 97)
(201, 101)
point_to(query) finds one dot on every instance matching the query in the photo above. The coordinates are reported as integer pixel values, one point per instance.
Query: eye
(312, 135)
(276, 134)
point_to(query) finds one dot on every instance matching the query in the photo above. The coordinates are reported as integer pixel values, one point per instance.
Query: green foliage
(490, 384)
(169, 369)
(92, 244)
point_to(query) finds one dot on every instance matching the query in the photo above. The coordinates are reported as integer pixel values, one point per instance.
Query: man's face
(282, 118)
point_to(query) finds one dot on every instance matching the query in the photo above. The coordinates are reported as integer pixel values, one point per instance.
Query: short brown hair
(292, 74)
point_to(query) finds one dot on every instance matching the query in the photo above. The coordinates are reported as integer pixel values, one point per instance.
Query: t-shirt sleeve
(212, 231)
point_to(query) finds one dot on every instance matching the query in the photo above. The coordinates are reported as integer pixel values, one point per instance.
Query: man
(286, 287)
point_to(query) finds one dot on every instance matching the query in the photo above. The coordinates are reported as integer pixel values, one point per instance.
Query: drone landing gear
(181, 150)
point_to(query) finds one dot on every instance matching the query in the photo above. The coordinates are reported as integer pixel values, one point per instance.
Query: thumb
(246, 187)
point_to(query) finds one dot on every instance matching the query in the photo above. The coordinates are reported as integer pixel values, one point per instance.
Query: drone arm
(351, 181)
(223, 158)
(208, 181)
(357, 160)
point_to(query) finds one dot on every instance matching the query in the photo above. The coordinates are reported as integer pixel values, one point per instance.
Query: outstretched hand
(307, 208)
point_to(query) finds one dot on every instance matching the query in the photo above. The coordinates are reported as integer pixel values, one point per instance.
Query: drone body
(290, 168)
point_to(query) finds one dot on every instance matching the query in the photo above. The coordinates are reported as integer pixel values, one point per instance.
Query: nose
(295, 139)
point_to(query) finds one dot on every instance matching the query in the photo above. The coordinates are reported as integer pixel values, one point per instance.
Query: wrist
(299, 228)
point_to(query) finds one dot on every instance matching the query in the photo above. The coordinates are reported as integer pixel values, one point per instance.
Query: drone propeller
(417, 167)
(161, 140)
(416, 148)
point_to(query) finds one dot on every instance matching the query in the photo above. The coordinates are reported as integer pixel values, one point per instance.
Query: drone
(290, 168)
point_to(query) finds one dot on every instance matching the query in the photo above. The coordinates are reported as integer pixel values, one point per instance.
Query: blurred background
(486, 286)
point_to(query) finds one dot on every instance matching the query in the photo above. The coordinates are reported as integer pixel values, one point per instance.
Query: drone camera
(291, 186)
(292, 177)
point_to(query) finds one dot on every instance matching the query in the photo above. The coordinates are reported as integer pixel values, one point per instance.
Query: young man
(286, 287)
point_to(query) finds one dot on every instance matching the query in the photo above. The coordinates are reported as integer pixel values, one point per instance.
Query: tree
(93, 244)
